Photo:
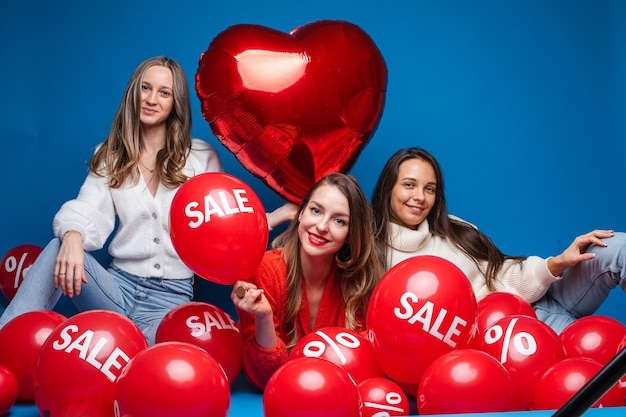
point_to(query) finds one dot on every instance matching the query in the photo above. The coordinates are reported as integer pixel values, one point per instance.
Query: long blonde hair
(118, 156)
(358, 266)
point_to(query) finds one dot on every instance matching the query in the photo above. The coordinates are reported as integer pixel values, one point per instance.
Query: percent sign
(15, 265)
(392, 398)
(523, 342)
(316, 348)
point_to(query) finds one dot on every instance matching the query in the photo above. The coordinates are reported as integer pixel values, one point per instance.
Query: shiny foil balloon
(80, 362)
(422, 308)
(14, 267)
(206, 326)
(293, 107)
(343, 347)
(21, 340)
(218, 227)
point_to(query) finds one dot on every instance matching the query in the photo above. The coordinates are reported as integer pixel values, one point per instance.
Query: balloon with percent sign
(311, 387)
(526, 347)
(382, 398)
(343, 347)
(497, 305)
(465, 381)
(565, 378)
(593, 337)
(15, 265)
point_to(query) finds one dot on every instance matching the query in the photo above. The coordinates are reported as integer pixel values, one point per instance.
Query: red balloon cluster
(218, 227)
(343, 347)
(14, 267)
(311, 386)
(421, 309)
(172, 379)
(21, 340)
(206, 326)
(293, 107)
(80, 362)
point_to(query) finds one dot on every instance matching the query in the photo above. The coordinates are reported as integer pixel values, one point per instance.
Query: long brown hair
(118, 156)
(359, 269)
(466, 237)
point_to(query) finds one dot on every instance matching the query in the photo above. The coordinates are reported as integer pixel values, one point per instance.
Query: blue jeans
(585, 286)
(143, 300)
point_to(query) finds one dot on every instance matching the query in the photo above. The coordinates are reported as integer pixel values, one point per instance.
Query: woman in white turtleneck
(411, 219)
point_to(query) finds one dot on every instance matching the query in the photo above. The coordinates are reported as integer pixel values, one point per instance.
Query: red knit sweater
(259, 363)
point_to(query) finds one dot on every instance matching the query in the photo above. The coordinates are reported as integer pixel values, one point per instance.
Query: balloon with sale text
(206, 326)
(81, 361)
(422, 308)
(218, 227)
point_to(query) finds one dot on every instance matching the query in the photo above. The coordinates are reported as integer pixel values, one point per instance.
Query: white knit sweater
(141, 244)
(530, 281)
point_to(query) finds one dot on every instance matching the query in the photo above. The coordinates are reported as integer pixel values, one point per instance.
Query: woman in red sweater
(320, 272)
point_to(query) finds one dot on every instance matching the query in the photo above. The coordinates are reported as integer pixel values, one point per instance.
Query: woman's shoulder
(203, 157)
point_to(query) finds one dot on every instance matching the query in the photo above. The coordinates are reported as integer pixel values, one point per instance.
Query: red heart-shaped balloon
(293, 107)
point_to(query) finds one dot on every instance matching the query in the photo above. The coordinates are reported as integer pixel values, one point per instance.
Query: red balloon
(80, 361)
(622, 381)
(172, 379)
(8, 390)
(565, 378)
(382, 398)
(593, 337)
(208, 327)
(526, 347)
(21, 340)
(497, 305)
(218, 227)
(293, 107)
(421, 309)
(311, 386)
(343, 347)
(465, 381)
(15, 266)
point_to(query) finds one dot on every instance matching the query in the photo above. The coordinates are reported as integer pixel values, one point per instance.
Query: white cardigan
(530, 280)
(141, 244)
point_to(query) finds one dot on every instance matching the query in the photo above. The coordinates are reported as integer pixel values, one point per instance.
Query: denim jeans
(143, 300)
(585, 286)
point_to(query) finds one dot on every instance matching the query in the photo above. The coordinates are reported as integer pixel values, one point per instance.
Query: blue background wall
(523, 103)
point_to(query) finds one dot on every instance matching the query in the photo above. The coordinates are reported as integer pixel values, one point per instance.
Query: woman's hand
(282, 214)
(577, 251)
(69, 270)
(247, 297)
